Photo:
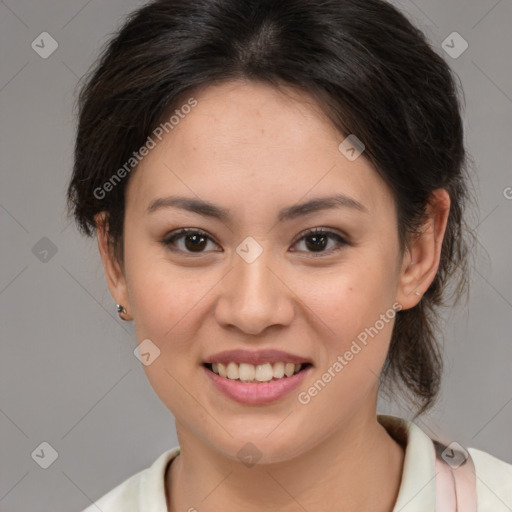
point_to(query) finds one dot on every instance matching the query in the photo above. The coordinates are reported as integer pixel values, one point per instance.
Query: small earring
(417, 292)
(121, 311)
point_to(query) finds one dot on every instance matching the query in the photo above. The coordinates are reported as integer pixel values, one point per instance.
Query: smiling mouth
(260, 373)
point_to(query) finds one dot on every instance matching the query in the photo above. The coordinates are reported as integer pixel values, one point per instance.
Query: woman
(277, 191)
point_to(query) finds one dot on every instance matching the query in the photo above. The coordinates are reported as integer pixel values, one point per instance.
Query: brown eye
(194, 240)
(316, 240)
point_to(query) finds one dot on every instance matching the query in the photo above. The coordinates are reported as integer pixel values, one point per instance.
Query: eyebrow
(208, 209)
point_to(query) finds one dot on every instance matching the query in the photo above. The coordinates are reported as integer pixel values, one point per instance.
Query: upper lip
(257, 357)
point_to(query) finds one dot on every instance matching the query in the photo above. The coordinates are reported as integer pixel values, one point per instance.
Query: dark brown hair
(369, 69)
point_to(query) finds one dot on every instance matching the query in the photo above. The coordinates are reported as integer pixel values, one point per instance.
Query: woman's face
(257, 282)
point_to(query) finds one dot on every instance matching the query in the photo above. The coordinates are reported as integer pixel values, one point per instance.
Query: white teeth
(261, 373)
(264, 372)
(222, 370)
(232, 371)
(278, 370)
(246, 372)
(289, 369)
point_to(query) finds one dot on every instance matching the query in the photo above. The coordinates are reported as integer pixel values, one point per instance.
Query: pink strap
(455, 487)
(446, 500)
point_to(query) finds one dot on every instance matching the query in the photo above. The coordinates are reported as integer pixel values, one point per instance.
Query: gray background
(68, 375)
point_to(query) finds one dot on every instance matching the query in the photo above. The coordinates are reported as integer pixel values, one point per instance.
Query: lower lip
(256, 393)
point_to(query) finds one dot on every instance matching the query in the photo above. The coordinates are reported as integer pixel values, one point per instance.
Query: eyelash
(170, 239)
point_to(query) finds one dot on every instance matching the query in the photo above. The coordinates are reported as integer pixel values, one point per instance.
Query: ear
(421, 260)
(114, 272)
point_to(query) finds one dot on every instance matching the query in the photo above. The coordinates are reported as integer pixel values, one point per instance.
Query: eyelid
(322, 229)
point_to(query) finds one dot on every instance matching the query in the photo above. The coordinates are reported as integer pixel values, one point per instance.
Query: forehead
(249, 142)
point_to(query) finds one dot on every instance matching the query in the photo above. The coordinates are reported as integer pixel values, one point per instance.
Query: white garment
(145, 491)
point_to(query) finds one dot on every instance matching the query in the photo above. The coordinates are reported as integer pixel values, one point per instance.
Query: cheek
(151, 298)
(355, 307)
(155, 295)
(166, 301)
(353, 294)
(155, 290)
(358, 315)
(162, 300)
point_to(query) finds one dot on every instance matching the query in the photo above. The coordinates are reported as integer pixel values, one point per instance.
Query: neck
(358, 468)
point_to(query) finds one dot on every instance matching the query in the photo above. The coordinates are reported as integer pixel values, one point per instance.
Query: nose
(254, 296)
